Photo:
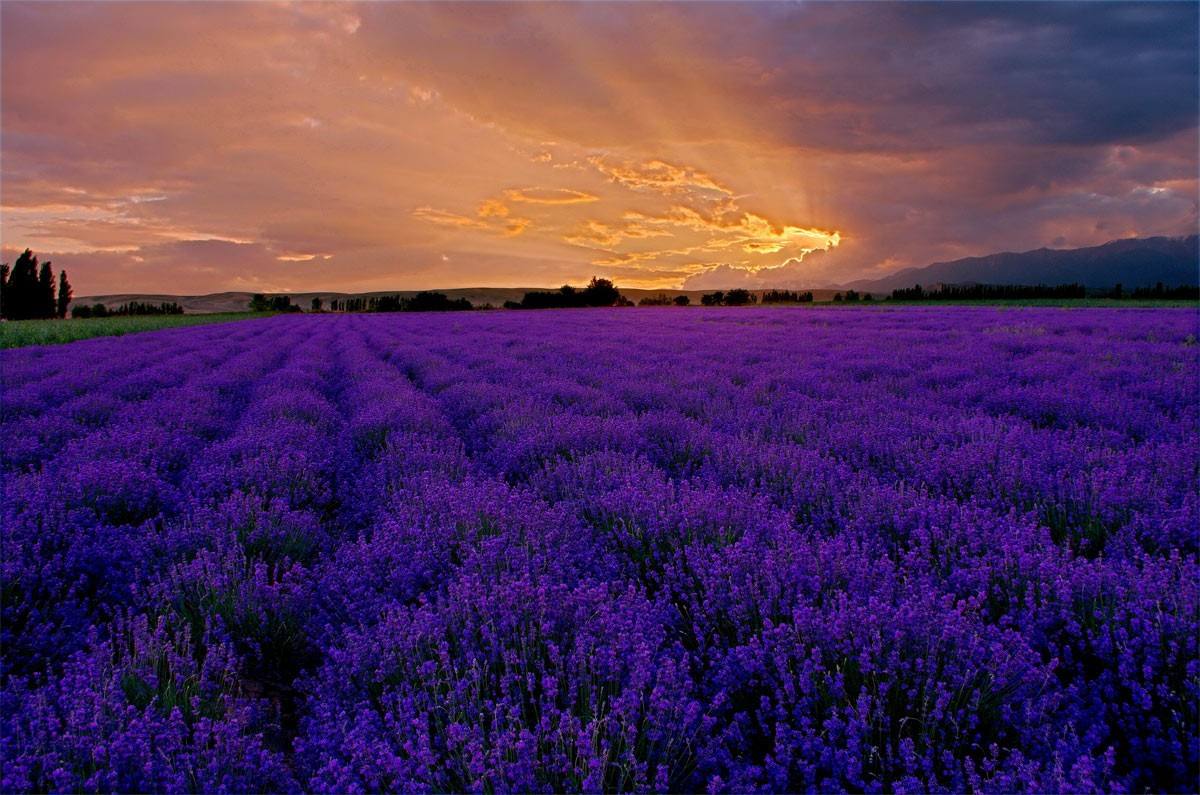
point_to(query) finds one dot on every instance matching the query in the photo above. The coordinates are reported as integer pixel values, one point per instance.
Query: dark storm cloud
(925, 75)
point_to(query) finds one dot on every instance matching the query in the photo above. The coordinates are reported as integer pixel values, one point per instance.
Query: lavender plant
(926, 549)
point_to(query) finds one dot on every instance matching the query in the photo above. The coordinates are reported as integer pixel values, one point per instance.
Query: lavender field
(653, 549)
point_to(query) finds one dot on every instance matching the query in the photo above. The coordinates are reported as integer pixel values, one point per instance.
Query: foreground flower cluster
(925, 549)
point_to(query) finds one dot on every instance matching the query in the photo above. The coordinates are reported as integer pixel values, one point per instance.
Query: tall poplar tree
(45, 304)
(64, 293)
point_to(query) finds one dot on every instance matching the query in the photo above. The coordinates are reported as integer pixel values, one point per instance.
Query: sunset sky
(201, 147)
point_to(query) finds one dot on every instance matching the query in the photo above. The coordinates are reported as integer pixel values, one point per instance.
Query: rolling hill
(1133, 262)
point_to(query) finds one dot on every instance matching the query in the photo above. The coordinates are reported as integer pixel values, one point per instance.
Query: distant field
(19, 333)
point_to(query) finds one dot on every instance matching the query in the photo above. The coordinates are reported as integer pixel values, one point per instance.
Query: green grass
(19, 333)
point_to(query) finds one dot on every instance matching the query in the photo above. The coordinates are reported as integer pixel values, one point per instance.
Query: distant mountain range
(1134, 262)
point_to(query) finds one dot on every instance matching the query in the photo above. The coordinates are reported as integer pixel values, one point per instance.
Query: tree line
(130, 308)
(993, 292)
(735, 297)
(786, 297)
(1159, 292)
(599, 292)
(663, 299)
(28, 291)
(278, 303)
(426, 301)
(989, 292)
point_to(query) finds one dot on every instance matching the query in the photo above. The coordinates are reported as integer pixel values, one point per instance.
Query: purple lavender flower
(929, 549)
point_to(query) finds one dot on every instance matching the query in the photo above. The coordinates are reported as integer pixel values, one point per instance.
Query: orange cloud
(754, 233)
(549, 196)
(492, 208)
(596, 234)
(503, 226)
(658, 176)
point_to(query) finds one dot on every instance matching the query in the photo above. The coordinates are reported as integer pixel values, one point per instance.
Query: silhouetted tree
(278, 303)
(713, 299)
(989, 292)
(316, 304)
(64, 294)
(436, 302)
(130, 308)
(24, 296)
(46, 305)
(740, 297)
(914, 293)
(25, 282)
(3, 287)
(1159, 291)
(95, 310)
(425, 301)
(599, 292)
(786, 297)
(682, 300)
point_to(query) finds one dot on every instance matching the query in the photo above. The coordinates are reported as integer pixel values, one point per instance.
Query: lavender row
(598, 550)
